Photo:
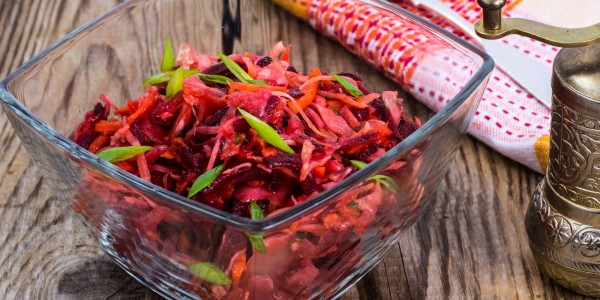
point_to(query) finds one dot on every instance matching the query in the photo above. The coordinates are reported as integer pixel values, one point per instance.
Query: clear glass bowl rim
(272, 222)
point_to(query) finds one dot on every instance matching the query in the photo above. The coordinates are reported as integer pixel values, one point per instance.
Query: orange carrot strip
(316, 79)
(168, 155)
(335, 105)
(242, 86)
(303, 115)
(319, 172)
(315, 73)
(98, 143)
(342, 97)
(237, 269)
(310, 92)
(367, 98)
(123, 111)
(286, 54)
(149, 103)
(250, 66)
(107, 127)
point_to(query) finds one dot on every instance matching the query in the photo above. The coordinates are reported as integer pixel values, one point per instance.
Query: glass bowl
(157, 235)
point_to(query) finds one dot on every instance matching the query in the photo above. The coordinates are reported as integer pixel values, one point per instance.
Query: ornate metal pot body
(563, 219)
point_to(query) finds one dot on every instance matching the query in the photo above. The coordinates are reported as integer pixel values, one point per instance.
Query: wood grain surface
(472, 243)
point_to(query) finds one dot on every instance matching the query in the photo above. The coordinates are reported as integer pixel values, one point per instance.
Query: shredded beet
(200, 127)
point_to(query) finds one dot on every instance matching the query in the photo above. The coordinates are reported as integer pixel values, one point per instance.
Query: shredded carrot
(269, 151)
(98, 143)
(242, 86)
(237, 268)
(294, 226)
(107, 127)
(150, 101)
(310, 92)
(123, 111)
(316, 79)
(383, 130)
(319, 172)
(348, 213)
(315, 73)
(342, 97)
(250, 66)
(332, 221)
(418, 121)
(142, 163)
(309, 123)
(367, 98)
(335, 105)
(168, 154)
(286, 54)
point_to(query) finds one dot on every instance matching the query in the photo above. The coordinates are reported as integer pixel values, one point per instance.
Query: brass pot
(563, 219)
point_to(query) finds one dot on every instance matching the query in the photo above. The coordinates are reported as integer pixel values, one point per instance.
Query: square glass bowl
(157, 235)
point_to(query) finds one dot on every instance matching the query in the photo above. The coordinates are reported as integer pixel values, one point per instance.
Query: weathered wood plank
(471, 243)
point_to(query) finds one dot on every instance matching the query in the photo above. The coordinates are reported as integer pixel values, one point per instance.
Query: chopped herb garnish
(205, 180)
(175, 84)
(385, 180)
(354, 91)
(209, 273)
(168, 61)
(218, 79)
(257, 241)
(266, 132)
(164, 77)
(256, 212)
(235, 69)
(118, 154)
(188, 73)
(358, 164)
(259, 81)
(157, 79)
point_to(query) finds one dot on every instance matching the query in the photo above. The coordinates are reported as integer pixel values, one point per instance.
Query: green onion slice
(175, 84)
(209, 273)
(256, 213)
(259, 81)
(385, 180)
(257, 241)
(168, 61)
(358, 164)
(266, 132)
(237, 71)
(205, 180)
(157, 79)
(118, 154)
(218, 79)
(164, 77)
(354, 91)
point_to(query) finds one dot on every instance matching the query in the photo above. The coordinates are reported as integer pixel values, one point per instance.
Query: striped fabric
(508, 119)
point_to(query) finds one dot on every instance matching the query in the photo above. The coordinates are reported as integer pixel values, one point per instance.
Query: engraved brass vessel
(563, 219)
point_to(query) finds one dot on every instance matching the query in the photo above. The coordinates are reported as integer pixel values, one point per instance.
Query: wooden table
(472, 243)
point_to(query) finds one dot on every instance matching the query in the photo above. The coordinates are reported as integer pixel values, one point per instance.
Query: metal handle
(492, 13)
(450, 15)
(493, 26)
